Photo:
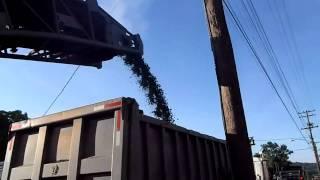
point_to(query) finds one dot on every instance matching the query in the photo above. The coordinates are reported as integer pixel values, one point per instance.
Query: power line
(74, 72)
(236, 20)
(257, 24)
(303, 149)
(297, 52)
(114, 5)
(281, 139)
(292, 48)
(61, 91)
(282, 76)
(285, 34)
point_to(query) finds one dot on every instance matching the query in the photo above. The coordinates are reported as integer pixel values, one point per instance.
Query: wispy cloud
(130, 13)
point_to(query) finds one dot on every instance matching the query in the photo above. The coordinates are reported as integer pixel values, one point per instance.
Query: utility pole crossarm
(307, 116)
(310, 126)
(308, 111)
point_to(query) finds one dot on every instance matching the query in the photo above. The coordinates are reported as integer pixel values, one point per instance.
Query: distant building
(261, 168)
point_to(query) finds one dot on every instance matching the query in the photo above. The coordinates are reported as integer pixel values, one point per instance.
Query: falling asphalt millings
(149, 83)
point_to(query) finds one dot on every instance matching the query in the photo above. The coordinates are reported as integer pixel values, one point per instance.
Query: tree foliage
(277, 155)
(6, 118)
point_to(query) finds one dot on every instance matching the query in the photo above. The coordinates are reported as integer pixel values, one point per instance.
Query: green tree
(277, 155)
(6, 118)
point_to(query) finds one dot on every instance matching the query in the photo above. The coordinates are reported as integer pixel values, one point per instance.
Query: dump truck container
(111, 140)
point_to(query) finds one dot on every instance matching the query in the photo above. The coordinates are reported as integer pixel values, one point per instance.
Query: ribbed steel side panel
(112, 140)
(169, 152)
(83, 143)
(1, 167)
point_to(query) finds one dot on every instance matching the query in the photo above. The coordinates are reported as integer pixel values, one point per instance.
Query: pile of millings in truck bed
(150, 85)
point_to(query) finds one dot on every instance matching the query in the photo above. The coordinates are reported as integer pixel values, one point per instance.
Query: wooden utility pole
(234, 119)
(309, 127)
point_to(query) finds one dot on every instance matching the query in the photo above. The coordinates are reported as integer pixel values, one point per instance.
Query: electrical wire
(62, 90)
(257, 24)
(114, 5)
(303, 149)
(257, 57)
(290, 39)
(285, 35)
(280, 139)
(297, 52)
(283, 78)
(73, 74)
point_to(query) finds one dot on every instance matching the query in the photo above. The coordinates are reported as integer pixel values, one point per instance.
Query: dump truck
(111, 140)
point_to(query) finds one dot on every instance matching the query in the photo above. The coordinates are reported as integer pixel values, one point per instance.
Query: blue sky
(177, 48)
